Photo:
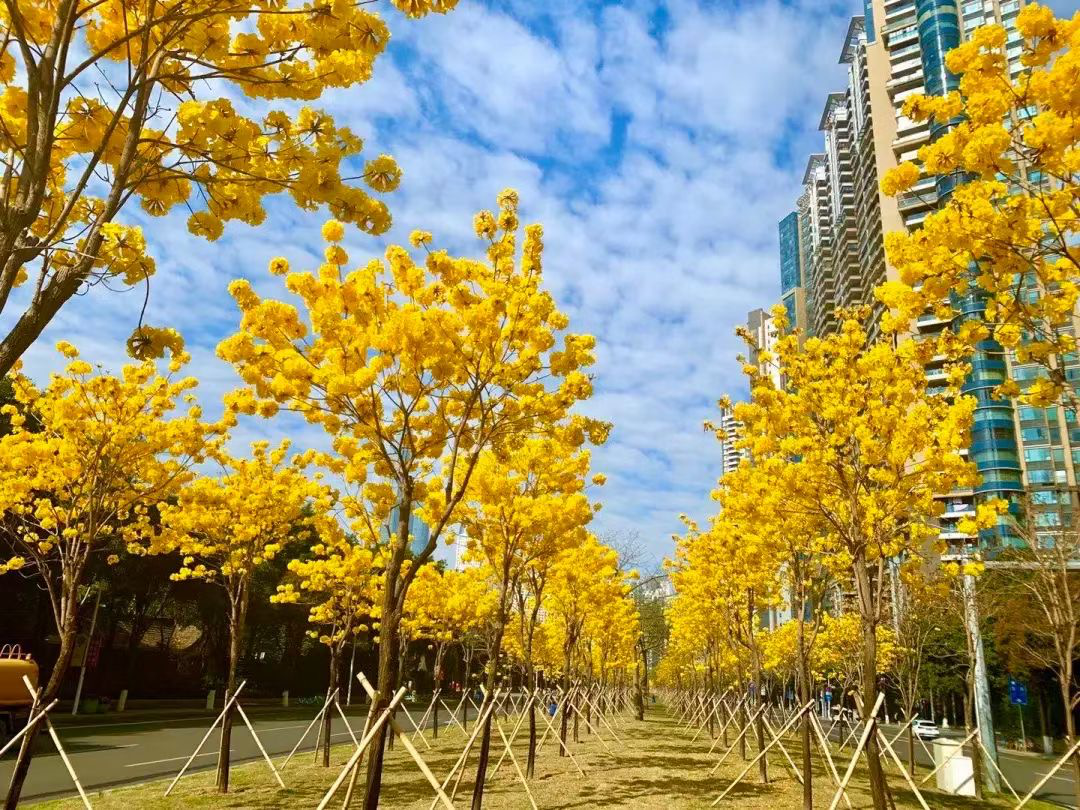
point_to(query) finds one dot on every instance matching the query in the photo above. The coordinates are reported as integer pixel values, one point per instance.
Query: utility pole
(983, 717)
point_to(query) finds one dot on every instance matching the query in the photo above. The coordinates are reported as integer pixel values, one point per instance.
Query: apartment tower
(832, 245)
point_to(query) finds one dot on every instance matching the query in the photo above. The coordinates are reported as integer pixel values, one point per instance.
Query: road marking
(168, 759)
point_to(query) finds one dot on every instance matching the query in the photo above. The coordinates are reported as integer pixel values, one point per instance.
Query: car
(925, 730)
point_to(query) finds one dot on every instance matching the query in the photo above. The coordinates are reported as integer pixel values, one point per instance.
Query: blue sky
(658, 142)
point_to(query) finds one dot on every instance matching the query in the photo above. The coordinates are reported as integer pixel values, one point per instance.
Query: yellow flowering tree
(783, 546)
(106, 102)
(88, 459)
(340, 581)
(447, 606)
(414, 369)
(226, 527)
(1009, 230)
(520, 509)
(585, 576)
(868, 448)
(734, 568)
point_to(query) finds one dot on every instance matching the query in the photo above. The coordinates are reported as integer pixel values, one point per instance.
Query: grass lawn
(655, 766)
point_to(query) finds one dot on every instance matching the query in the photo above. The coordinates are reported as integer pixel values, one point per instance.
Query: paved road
(113, 750)
(1023, 770)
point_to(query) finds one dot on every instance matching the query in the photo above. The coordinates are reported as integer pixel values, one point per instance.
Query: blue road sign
(1018, 693)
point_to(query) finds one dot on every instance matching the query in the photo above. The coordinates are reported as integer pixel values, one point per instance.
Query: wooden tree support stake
(258, 742)
(365, 741)
(44, 715)
(209, 731)
(735, 742)
(871, 724)
(731, 719)
(307, 730)
(401, 735)
(763, 752)
(823, 748)
(955, 751)
(1045, 779)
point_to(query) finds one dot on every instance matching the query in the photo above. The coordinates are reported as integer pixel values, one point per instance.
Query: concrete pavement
(1023, 770)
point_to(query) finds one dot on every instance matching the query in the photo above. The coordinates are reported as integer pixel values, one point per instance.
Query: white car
(925, 730)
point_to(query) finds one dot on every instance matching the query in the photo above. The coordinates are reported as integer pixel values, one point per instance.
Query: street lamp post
(984, 718)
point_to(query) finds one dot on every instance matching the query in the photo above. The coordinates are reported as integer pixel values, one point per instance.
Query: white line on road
(168, 759)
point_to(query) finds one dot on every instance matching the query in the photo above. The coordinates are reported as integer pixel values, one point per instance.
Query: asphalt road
(1022, 770)
(113, 750)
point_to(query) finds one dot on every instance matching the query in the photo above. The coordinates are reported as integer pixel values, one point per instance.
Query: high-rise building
(727, 430)
(419, 533)
(792, 261)
(763, 330)
(894, 50)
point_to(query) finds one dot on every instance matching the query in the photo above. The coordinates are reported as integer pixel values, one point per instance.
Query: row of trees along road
(850, 452)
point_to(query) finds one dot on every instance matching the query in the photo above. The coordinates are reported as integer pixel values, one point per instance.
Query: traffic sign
(1018, 693)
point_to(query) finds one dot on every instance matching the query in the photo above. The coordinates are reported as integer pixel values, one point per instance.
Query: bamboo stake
(401, 735)
(955, 751)
(867, 730)
(903, 771)
(735, 742)
(307, 731)
(427, 712)
(365, 741)
(453, 718)
(209, 731)
(258, 742)
(33, 721)
(517, 728)
(823, 747)
(356, 768)
(36, 695)
(1045, 779)
(762, 753)
(517, 767)
(784, 751)
(551, 729)
(345, 720)
(728, 722)
(480, 721)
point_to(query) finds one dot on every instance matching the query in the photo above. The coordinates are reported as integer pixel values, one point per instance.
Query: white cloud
(652, 141)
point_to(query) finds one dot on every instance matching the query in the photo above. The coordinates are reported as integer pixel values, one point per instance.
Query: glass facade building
(419, 533)
(895, 50)
(790, 260)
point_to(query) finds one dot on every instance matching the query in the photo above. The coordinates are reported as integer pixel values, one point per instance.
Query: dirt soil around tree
(655, 764)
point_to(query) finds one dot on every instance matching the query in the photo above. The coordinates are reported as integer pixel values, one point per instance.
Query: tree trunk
(52, 689)
(759, 729)
(388, 675)
(804, 698)
(491, 675)
(566, 695)
(869, 699)
(530, 762)
(389, 639)
(1044, 732)
(327, 721)
(237, 619)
